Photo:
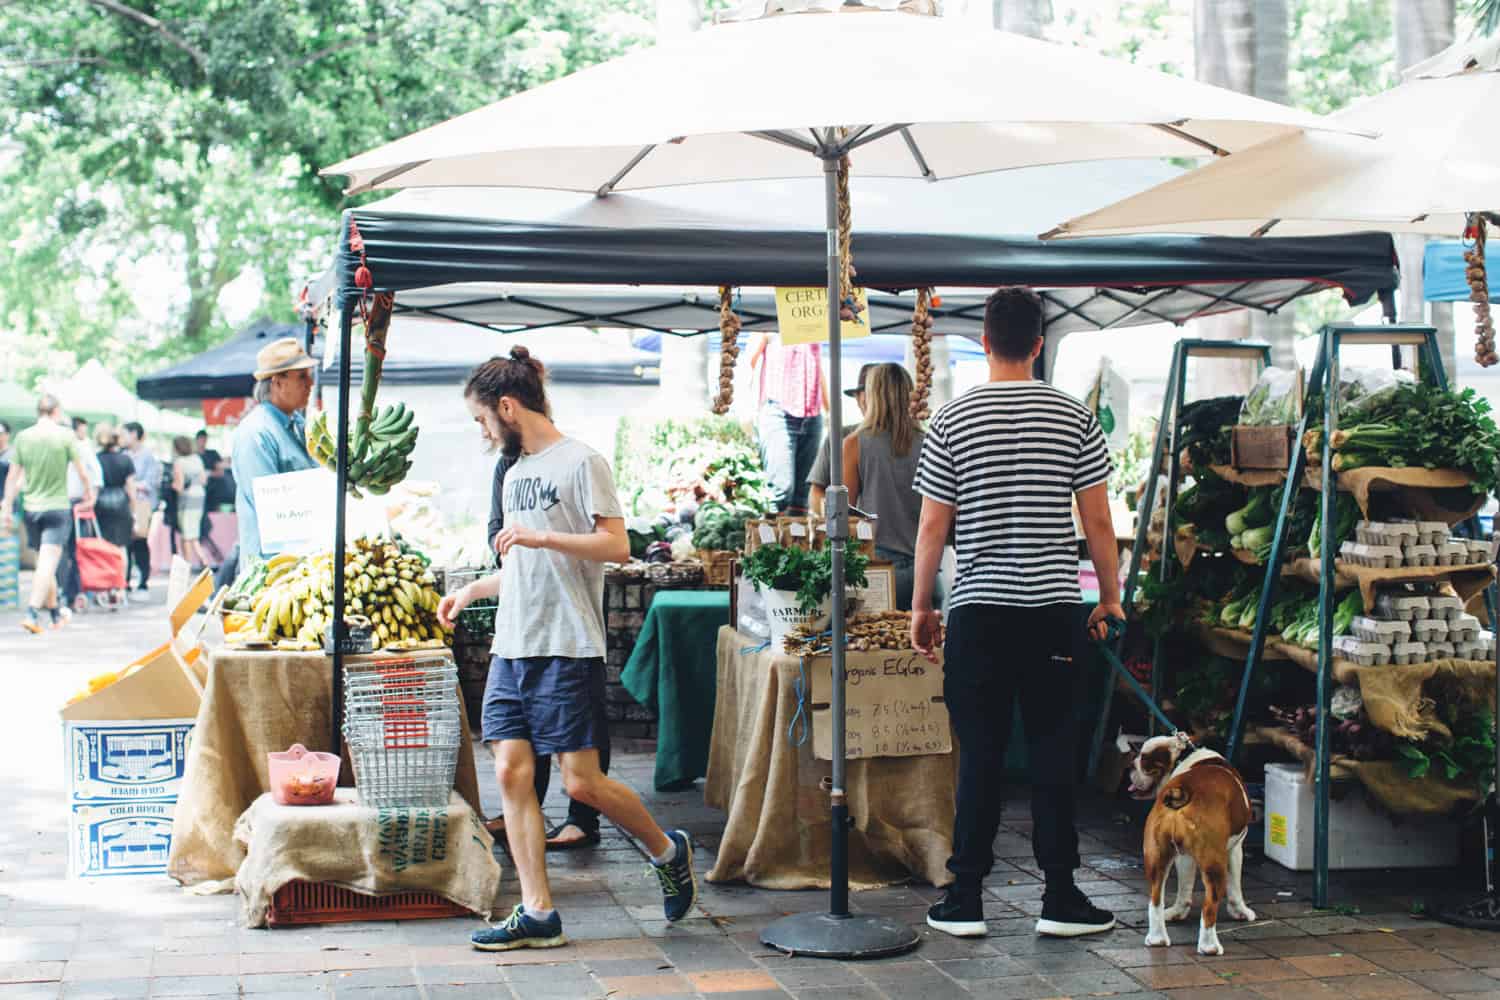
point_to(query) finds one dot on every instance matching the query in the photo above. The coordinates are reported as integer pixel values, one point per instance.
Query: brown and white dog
(1200, 819)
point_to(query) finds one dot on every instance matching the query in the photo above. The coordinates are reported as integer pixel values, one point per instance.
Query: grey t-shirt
(552, 604)
(886, 490)
(820, 475)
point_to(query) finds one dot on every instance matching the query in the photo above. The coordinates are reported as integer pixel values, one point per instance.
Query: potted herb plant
(797, 583)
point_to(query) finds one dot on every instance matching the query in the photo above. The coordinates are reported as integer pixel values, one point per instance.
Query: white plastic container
(1358, 836)
(1429, 630)
(1366, 654)
(1401, 607)
(1379, 629)
(1432, 532)
(783, 615)
(1419, 555)
(1441, 651)
(1409, 652)
(1445, 606)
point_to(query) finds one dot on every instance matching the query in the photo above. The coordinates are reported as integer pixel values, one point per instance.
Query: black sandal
(587, 840)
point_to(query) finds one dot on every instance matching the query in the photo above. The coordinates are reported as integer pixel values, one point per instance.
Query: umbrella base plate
(823, 935)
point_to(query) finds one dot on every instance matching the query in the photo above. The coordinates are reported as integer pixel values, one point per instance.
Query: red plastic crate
(300, 902)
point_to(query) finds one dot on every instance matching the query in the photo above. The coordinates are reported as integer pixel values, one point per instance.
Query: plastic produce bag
(1360, 388)
(1274, 399)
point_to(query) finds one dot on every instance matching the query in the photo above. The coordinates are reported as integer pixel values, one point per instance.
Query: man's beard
(510, 439)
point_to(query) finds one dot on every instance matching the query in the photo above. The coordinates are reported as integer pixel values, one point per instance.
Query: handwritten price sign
(893, 706)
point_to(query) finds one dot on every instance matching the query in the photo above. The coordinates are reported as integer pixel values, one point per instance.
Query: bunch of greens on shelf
(1205, 695)
(1205, 504)
(1345, 517)
(808, 573)
(1357, 738)
(1300, 522)
(1239, 610)
(1419, 426)
(1272, 400)
(719, 526)
(1252, 526)
(1162, 603)
(1205, 428)
(1471, 754)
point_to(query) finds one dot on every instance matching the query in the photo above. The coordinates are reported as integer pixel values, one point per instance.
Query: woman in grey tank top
(880, 464)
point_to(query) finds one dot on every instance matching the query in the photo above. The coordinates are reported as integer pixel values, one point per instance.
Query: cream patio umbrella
(897, 91)
(1434, 169)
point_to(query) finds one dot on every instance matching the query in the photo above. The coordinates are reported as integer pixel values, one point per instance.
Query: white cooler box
(1358, 836)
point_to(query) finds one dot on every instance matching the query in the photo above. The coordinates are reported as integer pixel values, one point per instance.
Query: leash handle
(1115, 628)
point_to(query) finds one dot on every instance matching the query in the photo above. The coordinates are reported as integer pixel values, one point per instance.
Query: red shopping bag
(101, 564)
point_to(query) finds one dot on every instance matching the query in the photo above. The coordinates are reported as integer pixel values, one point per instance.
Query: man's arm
(932, 534)
(606, 543)
(497, 502)
(757, 350)
(851, 466)
(14, 480)
(85, 475)
(481, 589)
(1099, 530)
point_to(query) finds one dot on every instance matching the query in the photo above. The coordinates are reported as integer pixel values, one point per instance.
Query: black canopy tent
(222, 372)
(458, 255)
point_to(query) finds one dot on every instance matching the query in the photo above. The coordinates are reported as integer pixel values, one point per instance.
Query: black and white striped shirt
(1009, 456)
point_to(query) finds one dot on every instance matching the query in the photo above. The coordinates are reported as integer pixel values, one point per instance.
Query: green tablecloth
(673, 671)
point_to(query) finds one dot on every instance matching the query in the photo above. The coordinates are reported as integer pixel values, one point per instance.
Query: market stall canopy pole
(913, 96)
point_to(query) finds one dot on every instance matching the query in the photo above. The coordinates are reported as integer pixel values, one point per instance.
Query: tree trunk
(1423, 28)
(1022, 17)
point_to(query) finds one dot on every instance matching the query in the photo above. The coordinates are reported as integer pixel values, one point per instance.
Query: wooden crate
(1261, 447)
(300, 902)
(717, 566)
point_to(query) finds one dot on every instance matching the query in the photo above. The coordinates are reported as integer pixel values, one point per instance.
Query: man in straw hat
(272, 438)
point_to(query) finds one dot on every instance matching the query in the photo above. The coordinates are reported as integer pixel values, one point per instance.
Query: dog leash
(1115, 629)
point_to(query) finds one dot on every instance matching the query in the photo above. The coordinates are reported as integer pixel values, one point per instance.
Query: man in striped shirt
(1004, 463)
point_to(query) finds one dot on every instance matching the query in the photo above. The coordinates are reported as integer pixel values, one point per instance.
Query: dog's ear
(1184, 741)
(1156, 761)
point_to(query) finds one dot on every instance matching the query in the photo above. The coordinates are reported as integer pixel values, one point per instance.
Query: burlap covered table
(778, 832)
(255, 703)
(374, 851)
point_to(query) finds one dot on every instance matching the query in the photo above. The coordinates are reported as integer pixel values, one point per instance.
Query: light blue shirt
(266, 443)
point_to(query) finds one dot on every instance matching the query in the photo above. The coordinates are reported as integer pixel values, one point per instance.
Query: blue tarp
(1443, 273)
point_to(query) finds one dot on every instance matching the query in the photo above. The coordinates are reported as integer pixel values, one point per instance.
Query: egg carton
(1429, 630)
(1419, 555)
(1401, 607)
(1409, 652)
(1453, 552)
(1471, 650)
(1479, 550)
(1366, 654)
(1441, 651)
(1464, 628)
(1379, 630)
(1372, 556)
(1432, 532)
(1397, 533)
(1448, 607)
(1486, 641)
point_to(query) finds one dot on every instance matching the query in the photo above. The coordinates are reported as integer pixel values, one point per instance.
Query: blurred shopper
(142, 502)
(117, 485)
(67, 570)
(880, 465)
(272, 439)
(44, 452)
(188, 483)
(209, 456)
(817, 480)
(793, 396)
(4, 452)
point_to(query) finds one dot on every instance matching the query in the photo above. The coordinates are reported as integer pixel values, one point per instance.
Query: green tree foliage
(1342, 50)
(177, 142)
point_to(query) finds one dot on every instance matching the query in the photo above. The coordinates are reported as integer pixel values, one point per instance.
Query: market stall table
(778, 832)
(673, 672)
(254, 703)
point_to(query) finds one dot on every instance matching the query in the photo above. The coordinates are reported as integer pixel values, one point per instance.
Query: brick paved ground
(144, 937)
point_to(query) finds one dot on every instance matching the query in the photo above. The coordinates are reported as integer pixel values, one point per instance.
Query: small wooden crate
(300, 902)
(1261, 447)
(717, 565)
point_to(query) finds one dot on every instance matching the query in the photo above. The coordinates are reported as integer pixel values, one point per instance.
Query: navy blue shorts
(547, 700)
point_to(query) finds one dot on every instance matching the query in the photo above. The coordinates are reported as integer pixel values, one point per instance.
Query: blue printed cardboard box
(126, 761)
(119, 838)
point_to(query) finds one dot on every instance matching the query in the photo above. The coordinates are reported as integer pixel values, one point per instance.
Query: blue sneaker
(521, 931)
(679, 886)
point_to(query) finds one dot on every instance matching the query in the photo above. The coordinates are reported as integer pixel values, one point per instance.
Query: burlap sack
(373, 851)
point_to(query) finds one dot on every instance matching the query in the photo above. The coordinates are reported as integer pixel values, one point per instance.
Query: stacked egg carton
(1414, 628)
(1394, 544)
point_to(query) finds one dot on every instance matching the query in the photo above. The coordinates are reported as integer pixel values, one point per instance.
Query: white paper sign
(294, 509)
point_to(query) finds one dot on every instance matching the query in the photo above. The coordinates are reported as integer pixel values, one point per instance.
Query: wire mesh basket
(478, 618)
(404, 728)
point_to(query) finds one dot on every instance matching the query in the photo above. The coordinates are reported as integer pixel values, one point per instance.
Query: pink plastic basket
(303, 777)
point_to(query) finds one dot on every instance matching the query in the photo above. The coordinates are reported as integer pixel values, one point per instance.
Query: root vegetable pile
(882, 630)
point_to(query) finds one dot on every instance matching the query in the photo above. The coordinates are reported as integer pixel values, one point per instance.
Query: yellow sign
(802, 315)
(1277, 824)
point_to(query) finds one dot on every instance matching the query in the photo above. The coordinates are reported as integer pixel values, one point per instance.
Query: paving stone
(1012, 988)
(843, 993)
(287, 982)
(187, 986)
(1447, 981)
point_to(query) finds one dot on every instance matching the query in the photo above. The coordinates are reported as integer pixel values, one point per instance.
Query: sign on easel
(893, 706)
(802, 316)
(294, 509)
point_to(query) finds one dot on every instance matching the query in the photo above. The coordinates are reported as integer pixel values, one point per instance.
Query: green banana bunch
(379, 448)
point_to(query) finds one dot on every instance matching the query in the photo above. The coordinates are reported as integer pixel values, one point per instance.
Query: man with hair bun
(562, 522)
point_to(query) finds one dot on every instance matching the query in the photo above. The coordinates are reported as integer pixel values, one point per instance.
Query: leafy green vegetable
(718, 526)
(810, 574)
(1205, 429)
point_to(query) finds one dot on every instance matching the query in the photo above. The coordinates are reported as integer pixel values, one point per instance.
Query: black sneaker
(1068, 913)
(960, 912)
(521, 930)
(679, 886)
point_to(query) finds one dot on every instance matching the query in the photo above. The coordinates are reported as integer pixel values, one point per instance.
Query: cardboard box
(126, 761)
(166, 683)
(119, 838)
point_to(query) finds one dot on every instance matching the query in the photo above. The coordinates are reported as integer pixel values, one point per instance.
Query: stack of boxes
(10, 571)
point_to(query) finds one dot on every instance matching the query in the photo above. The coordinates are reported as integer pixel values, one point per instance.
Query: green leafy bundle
(720, 527)
(1206, 427)
(810, 574)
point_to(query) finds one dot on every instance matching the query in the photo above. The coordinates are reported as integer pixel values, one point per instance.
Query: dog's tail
(1176, 797)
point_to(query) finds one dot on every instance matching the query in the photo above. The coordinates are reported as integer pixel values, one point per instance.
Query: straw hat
(284, 355)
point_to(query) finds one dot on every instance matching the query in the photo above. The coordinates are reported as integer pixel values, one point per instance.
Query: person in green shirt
(39, 464)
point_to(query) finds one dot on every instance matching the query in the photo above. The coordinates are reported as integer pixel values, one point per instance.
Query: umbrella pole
(341, 479)
(837, 933)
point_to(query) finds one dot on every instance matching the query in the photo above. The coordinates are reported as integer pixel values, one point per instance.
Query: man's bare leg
(524, 830)
(44, 580)
(586, 783)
